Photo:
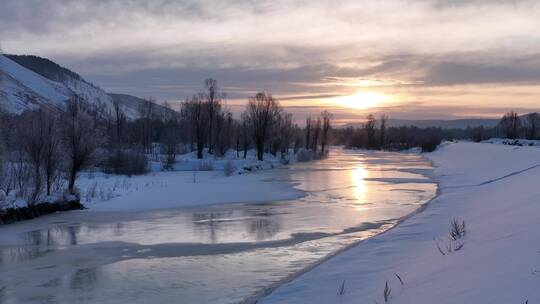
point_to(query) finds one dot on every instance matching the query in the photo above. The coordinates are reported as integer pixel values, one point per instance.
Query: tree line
(42, 152)
(375, 134)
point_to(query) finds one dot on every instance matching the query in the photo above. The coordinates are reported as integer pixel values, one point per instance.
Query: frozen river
(211, 254)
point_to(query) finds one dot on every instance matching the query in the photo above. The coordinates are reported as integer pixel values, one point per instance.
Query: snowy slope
(494, 189)
(23, 89)
(131, 105)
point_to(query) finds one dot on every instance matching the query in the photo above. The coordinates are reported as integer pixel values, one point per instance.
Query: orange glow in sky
(362, 100)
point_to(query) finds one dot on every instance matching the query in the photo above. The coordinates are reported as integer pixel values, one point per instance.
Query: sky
(417, 59)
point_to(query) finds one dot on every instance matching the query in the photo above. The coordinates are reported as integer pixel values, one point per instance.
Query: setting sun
(362, 100)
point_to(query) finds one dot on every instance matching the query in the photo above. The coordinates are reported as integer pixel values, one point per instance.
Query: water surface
(211, 254)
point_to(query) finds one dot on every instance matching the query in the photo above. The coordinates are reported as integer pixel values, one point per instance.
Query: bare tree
(533, 120)
(51, 153)
(245, 133)
(225, 131)
(275, 140)
(326, 117)
(286, 133)
(316, 134)
(119, 121)
(510, 124)
(169, 141)
(7, 176)
(31, 139)
(369, 128)
(80, 140)
(308, 133)
(146, 114)
(20, 171)
(196, 113)
(261, 111)
(382, 134)
(212, 97)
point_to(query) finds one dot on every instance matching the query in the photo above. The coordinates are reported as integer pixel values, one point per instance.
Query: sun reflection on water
(358, 176)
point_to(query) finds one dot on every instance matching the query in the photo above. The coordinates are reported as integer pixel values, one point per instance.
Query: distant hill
(133, 103)
(29, 82)
(444, 124)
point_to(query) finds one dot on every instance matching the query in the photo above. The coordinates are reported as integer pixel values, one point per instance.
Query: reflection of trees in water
(69, 234)
(39, 242)
(84, 279)
(263, 228)
(17, 254)
(56, 236)
(264, 221)
(259, 221)
(211, 223)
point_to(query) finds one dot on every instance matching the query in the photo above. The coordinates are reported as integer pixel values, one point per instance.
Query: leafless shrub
(387, 292)
(399, 278)
(455, 238)
(229, 168)
(453, 246)
(126, 162)
(341, 289)
(439, 248)
(457, 229)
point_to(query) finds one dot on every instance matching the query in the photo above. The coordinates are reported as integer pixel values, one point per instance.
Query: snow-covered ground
(180, 189)
(513, 142)
(193, 182)
(495, 190)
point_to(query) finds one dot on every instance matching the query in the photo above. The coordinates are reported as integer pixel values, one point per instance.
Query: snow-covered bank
(183, 188)
(494, 189)
(212, 180)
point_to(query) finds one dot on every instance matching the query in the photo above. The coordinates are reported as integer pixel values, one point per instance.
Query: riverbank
(494, 190)
(160, 190)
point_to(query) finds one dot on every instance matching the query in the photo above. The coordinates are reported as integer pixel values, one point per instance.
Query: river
(211, 254)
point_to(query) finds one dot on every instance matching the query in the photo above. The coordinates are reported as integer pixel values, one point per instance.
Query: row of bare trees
(318, 130)
(375, 134)
(513, 126)
(42, 152)
(41, 149)
(264, 125)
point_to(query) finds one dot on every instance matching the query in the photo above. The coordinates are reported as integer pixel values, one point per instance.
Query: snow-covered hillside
(22, 88)
(494, 189)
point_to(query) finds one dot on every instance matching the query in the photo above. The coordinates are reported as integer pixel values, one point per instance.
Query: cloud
(299, 50)
(459, 73)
